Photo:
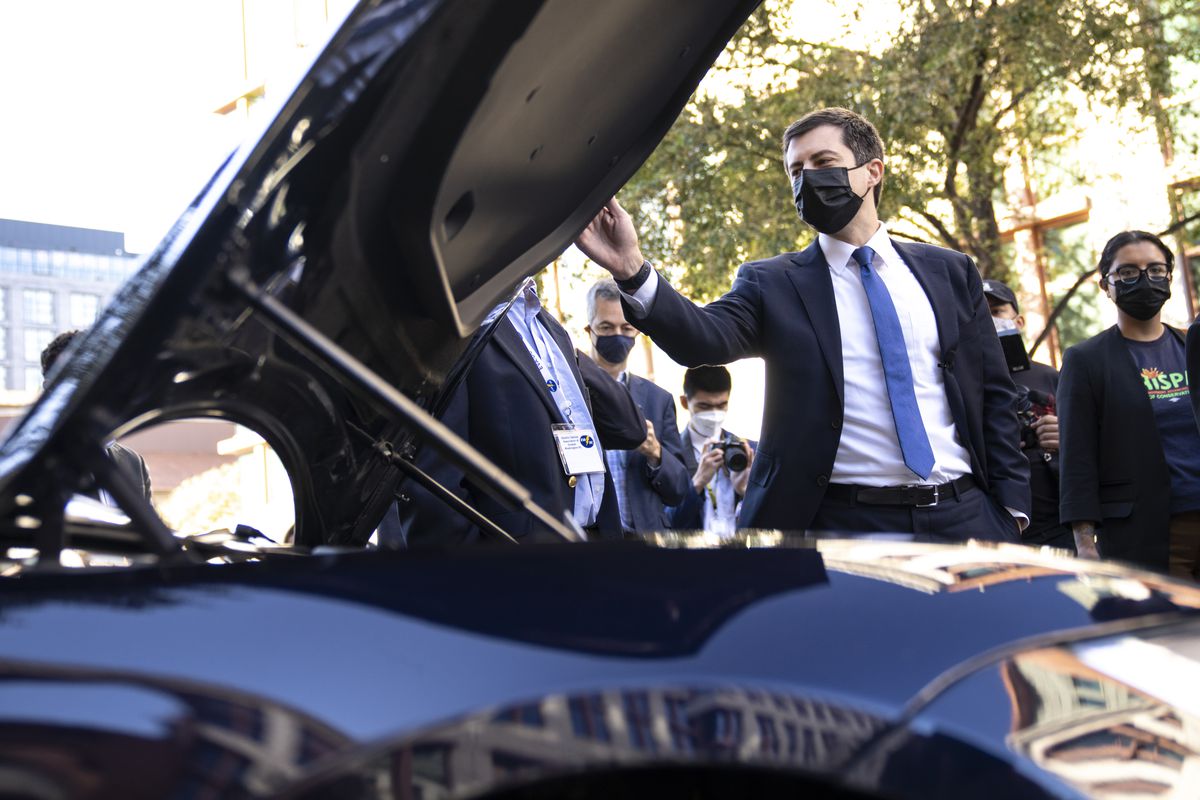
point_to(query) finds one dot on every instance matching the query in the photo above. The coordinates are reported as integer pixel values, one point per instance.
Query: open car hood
(436, 153)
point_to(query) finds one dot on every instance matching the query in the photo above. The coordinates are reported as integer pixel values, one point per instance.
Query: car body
(322, 290)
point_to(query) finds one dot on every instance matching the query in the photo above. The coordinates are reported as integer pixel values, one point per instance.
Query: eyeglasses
(1129, 273)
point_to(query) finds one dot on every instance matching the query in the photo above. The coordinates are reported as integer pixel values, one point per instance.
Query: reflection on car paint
(86, 734)
(565, 733)
(1099, 734)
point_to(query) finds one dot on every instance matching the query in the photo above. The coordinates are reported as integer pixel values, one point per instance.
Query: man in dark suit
(527, 379)
(889, 407)
(718, 481)
(126, 459)
(651, 477)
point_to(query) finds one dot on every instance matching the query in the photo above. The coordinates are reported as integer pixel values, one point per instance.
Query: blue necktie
(910, 430)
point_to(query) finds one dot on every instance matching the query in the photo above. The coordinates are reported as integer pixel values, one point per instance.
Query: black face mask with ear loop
(825, 199)
(1143, 298)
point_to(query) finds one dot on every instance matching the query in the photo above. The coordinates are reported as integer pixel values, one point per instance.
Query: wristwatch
(632, 284)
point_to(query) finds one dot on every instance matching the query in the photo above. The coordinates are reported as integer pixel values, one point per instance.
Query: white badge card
(578, 448)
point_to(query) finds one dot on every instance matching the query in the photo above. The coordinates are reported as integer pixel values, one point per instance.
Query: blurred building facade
(52, 278)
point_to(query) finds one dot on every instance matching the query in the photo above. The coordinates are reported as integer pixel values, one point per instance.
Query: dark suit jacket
(689, 514)
(503, 408)
(783, 309)
(133, 465)
(1193, 362)
(648, 491)
(1113, 469)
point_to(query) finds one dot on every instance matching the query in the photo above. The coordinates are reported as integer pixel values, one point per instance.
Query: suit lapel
(812, 282)
(934, 277)
(511, 344)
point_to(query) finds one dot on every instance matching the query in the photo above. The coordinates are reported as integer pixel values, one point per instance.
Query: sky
(108, 109)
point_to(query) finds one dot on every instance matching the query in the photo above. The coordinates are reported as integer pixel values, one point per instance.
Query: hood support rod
(342, 364)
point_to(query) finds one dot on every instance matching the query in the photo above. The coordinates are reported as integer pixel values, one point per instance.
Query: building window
(41, 262)
(39, 306)
(768, 737)
(3, 344)
(587, 717)
(33, 379)
(36, 340)
(4, 378)
(679, 722)
(529, 715)
(3, 304)
(83, 309)
(638, 720)
(727, 727)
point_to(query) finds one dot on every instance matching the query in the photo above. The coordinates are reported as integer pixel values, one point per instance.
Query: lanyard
(545, 367)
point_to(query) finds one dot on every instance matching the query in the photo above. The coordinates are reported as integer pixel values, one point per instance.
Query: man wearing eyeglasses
(1129, 444)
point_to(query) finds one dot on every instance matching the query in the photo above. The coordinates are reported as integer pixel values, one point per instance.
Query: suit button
(571, 481)
(837, 423)
(822, 480)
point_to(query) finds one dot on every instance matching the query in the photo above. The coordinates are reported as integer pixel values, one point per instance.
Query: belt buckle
(935, 497)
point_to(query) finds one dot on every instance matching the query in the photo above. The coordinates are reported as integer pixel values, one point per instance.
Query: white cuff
(1021, 518)
(643, 298)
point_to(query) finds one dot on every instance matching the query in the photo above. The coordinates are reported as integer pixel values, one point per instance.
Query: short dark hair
(53, 350)
(858, 134)
(706, 379)
(1109, 254)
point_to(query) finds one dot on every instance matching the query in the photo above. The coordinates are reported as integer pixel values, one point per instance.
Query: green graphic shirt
(1162, 366)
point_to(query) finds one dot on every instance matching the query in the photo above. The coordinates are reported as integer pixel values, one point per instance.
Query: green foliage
(959, 89)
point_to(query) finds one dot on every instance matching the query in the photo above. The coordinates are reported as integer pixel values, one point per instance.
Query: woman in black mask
(1130, 448)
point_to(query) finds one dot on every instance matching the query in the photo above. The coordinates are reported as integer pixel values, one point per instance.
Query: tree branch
(942, 230)
(911, 237)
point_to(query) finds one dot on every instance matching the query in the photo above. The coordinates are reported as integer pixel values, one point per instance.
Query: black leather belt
(919, 496)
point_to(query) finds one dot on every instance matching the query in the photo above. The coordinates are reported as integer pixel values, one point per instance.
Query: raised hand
(611, 241)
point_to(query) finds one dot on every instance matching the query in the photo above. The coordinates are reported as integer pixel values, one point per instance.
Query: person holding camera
(719, 461)
(1037, 385)
(1130, 449)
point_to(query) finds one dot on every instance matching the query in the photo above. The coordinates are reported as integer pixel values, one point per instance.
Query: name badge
(578, 448)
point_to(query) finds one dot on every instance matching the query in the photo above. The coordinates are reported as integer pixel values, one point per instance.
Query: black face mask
(614, 349)
(1143, 299)
(824, 198)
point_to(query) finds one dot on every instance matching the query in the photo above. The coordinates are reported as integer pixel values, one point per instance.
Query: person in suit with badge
(543, 413)
(652, 477)
(889, 408)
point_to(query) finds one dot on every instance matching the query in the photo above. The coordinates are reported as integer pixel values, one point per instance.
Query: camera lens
(735, 458)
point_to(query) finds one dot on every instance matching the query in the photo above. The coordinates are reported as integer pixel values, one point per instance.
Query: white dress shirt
(869, 451)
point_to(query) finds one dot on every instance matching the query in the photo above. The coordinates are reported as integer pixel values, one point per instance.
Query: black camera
(736, 459)
(1032, 405)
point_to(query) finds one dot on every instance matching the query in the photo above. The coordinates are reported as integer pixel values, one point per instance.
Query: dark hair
(858, 134)
(55, 349)
(1109, 254)
(706, 379)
